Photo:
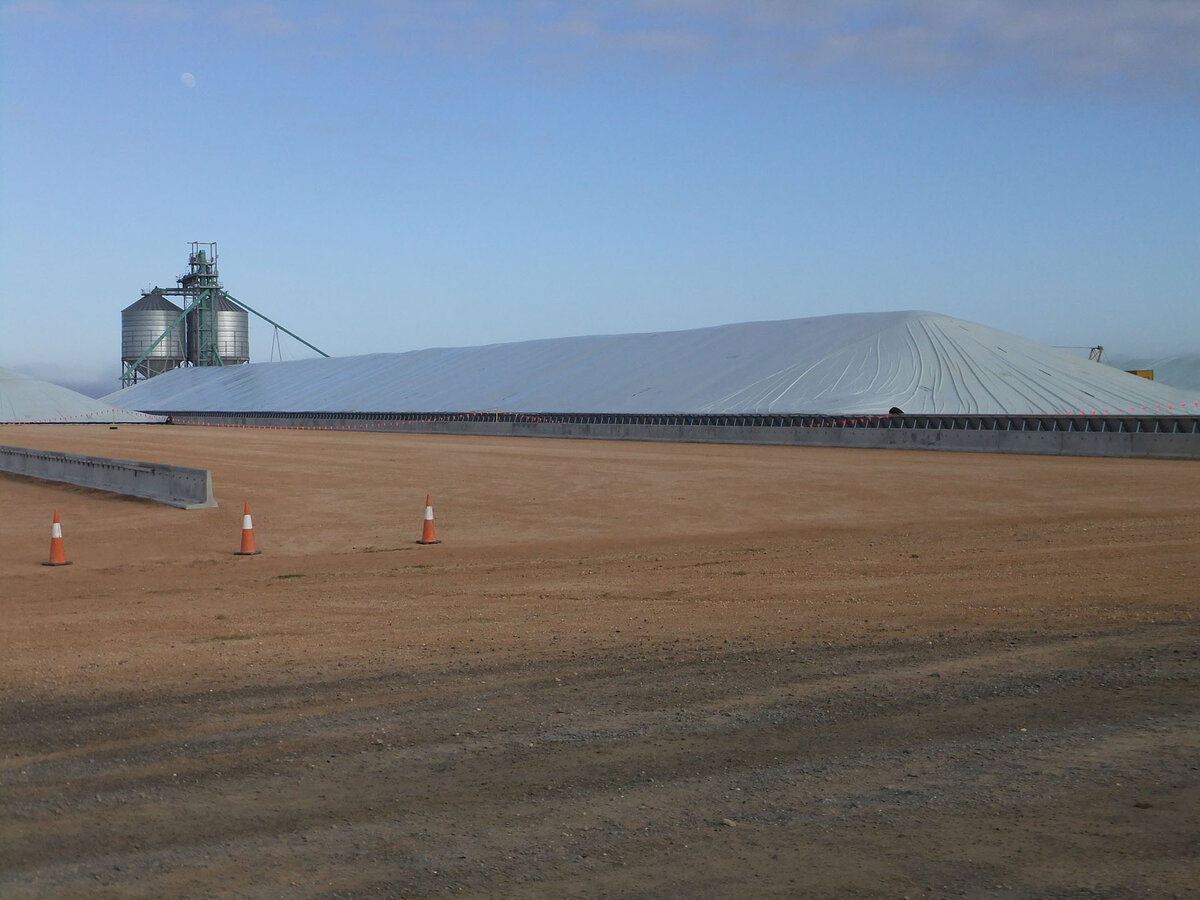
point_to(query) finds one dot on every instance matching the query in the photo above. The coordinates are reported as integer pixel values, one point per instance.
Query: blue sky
(389, 176)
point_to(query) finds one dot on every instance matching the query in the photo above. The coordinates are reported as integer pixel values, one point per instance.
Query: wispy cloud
(84, 11)
(1129, 44)
(259, 18)
(1079, 42)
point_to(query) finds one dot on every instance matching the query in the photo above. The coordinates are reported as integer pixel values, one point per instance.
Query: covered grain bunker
(857, 364)
(28, 400)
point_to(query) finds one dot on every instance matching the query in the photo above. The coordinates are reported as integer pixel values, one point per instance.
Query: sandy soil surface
(629, 669)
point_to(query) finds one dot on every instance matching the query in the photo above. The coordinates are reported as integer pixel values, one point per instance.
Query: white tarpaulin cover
(27, 399)
(862, 363)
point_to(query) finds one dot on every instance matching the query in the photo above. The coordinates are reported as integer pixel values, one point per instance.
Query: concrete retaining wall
(173, 485)
(1147, 445)
(1053, 443)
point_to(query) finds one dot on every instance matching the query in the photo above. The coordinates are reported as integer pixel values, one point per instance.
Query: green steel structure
(211, 318)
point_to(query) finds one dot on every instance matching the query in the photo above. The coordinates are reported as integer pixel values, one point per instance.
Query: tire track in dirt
(544, 775)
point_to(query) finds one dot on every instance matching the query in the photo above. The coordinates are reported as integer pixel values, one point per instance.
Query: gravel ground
(629, 670)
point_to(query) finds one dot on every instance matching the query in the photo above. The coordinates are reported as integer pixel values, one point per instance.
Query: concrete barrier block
(178, 486)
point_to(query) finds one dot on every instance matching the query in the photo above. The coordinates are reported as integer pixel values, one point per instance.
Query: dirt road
(628, 670)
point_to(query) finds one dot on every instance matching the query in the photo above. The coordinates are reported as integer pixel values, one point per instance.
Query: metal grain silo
(230, 339)
(142, 324)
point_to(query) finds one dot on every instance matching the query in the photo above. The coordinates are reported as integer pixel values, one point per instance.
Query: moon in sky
(188, 79)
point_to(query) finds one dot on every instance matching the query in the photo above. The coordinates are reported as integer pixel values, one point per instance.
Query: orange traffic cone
(427, 535)
(57, 556)
(248, 548)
